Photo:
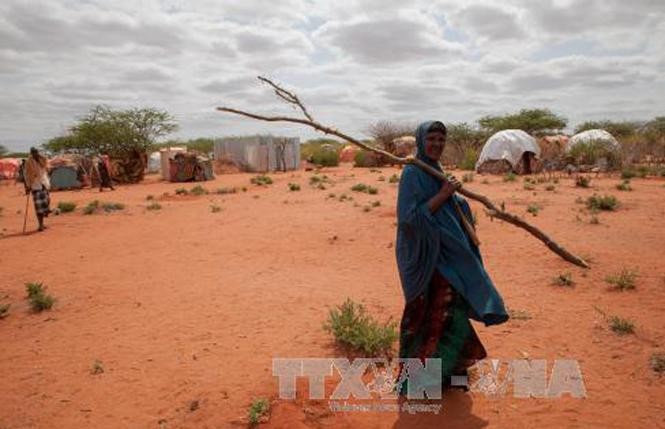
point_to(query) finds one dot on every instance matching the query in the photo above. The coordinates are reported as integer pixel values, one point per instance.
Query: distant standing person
(37, 182)
(104, 168)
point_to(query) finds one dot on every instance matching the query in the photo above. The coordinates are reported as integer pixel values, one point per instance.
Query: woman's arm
(447, 190)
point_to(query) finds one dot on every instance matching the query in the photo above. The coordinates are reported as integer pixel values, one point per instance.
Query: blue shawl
(437, 241)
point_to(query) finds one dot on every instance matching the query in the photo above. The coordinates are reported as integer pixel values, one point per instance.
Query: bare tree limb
(492, 210)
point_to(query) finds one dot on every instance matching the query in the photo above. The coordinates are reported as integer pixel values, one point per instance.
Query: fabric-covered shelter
(348, 153)
(190, 167)
(69, 171)
(260, 153)
(404, 146)
(509, 150)
(9, 168)
(590, 136)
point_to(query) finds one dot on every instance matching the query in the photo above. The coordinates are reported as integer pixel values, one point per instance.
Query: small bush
(469, 160)
(606, 202)
(376, 203)
(261, 180)
(529, 186)
(381, 179)
(582, 182)
(154, 206)
(181, 191)
(658, 362)
(258, 411)
(518, 314)
(594, 220)
(294, 187)
(91, 207)
(467, 178)
(624, 280)
(215, 208)
(4, 310)
(198, 190)
(97, 368)
(365, 158)
(624, 186)
(628, 173)
(66, 206)
(533, 209)
(621, 326)
(38, 298)
(359, 187)
(111, 207)
(325, 158)
(550, 188)
(224, 191)
(394, 179)
(149, 197)
(564, 279)
(372, 190)
(353, 327)
(510, 177)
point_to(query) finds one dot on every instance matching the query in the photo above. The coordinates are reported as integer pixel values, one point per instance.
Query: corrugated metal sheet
(259, 153)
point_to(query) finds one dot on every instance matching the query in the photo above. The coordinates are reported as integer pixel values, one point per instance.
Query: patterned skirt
(42, 200)
(436, 325)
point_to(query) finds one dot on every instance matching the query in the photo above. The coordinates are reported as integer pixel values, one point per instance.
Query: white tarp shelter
(260, 153)
(508, 145)
(154, 162)
(592, 136)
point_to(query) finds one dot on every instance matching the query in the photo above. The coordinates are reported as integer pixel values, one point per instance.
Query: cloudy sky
(353, 62)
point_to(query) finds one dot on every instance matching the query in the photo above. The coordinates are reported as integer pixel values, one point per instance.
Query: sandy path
(184, 305)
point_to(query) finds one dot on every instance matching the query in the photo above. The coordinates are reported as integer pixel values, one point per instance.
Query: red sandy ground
(184, 305)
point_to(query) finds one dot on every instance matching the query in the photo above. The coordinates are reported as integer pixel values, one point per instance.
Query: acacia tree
(617, 129)
(533, 121)
(116, 132)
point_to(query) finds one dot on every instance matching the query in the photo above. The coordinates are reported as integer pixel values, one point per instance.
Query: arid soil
(183, 308)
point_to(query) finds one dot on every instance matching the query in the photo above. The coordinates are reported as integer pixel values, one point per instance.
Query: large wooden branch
(492, 210)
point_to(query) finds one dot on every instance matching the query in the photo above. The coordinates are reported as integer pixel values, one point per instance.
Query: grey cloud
(489, 22)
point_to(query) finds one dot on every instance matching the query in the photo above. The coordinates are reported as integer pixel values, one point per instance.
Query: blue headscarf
(437, 241)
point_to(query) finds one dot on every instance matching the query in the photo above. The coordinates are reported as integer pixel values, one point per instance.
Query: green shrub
(4, 310)
(198, 190)
(224, 191)
(564, 279)
(469, 159)
(589, 153)
(364, 159)
(294, 187)
(38, 298)
(510, 177)
(550, 188)
(518, 314)
(66, 206)
(326, 158)
(624, 186)
(154, 206)
(624, 280)
(91, 207)
(658, 362)
(582, 182)
(110, 207)
(372, 190)
(621, 326)
(181, 191)
(215, 208)
(359, 187)
(606, 202)
(261, 180)
(533, 209)
(354, 328)
(394, 179)
(97, 368)
(257, 411)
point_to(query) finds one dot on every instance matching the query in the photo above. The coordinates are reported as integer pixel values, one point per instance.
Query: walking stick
(25, 216)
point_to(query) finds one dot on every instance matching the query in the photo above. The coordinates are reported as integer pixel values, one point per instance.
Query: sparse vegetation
(624, 186)
(623, 280)
(294, 187)
(97, 368)
(4, 310)
(224, 191)
(361, 187)
(467, 177)
(529, 186)
(621, 326)
(261, 180)
(38, 298)
(66, 206)
(533, 209)
(510, 177)
(91, 208)
(628, 173)
(181, 191)
(215, 208)
(199, 190)
(258, 411)
(111, 207)
(393, 179)
(154, 206)
(606, 202)
(564, 279)
(149, 197)
(582, 182)
(518, 314)
(658, 362)
(594, 220)
(353, 327)
(550, 188)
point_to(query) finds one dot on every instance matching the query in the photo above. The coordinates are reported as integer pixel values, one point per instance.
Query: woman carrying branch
(440, 266)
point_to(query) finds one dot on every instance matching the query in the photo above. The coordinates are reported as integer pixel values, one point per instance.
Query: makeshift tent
(260, 153)
(9, 168)
(167, 154)
(594, 136)
(69, 171)
(509, 150)
(190, 167)
(154, 163)
(348, 153)
(129, 167)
